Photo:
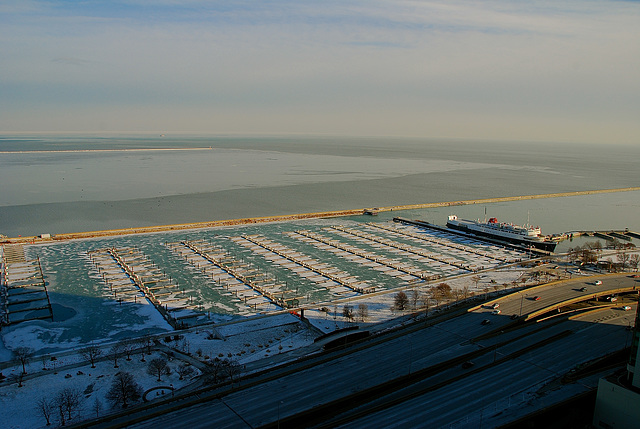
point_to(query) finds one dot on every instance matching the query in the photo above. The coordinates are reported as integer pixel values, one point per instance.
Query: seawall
(282, 218)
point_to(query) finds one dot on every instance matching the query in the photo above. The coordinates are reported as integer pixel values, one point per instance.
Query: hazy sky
(543, 70)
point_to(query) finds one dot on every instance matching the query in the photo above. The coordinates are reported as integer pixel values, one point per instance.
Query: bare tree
(415, 297)
(443, 290)
(213, 372)
(184, 370)
(23, 354)
(145, 342)
(60, 408)
(97, 407)
(363, 311)
(476, 280)
(124, 390)
(232, 368)
(128, 346)
(587, 254)
(69, 399)
(91, 354)
(634, 261)
(425, 299)
(434, 295)
(347, 312)
(594, 245)
(46, 407)
(16, 378)
(400, 301)
(159, 367)
(623, 258)
(114, 354)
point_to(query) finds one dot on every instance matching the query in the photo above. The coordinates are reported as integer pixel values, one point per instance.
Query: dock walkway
(130, 277)
(242, 272)
(372, 257)
(23, 290)
(341, 279)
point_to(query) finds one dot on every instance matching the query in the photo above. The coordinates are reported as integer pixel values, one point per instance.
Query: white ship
(524, 235)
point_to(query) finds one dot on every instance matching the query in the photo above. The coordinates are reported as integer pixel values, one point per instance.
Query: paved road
(524, 302)
(303, 387)
(503, 383)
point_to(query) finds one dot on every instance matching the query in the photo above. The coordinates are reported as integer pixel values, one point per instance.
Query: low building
(618, 398)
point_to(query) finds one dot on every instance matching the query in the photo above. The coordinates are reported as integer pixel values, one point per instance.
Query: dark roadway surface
(415, 379)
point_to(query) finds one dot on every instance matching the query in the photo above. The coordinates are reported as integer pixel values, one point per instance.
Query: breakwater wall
(283, 218)
(503, 199)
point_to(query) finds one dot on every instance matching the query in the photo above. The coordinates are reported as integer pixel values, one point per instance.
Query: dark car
(514, 316)
(486, 322)
(583, 289)
(468, 364)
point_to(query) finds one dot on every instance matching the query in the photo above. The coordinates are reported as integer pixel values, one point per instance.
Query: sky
(507, 70)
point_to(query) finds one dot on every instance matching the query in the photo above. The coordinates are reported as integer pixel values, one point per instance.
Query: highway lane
(333, 380)
(560, 291)
(470, 395)
(354, 372)
(191, 417)
(329, 381)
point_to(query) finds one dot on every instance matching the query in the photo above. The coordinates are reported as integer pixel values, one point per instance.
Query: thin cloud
(360, 67)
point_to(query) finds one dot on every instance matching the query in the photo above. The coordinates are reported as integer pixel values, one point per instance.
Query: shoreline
(105, 150)
(44, 238)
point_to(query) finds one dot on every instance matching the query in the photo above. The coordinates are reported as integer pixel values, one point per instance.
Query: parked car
(583, 289)
(536, 298)
(486, 322)
(514, 316)
(468, 364)
(626, 308)
(496, 305)
(598, 282)
(496, 312)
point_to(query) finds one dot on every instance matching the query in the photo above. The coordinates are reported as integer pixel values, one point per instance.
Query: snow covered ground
(246, 342)
(252, 341)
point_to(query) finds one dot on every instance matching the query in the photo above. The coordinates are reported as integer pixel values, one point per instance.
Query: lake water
(68, 184)
(56, 184)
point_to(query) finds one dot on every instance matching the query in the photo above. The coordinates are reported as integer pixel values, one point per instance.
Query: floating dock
(23, 290)
(131, 278)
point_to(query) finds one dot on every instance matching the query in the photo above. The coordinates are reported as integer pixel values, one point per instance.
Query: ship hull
(546, 245)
